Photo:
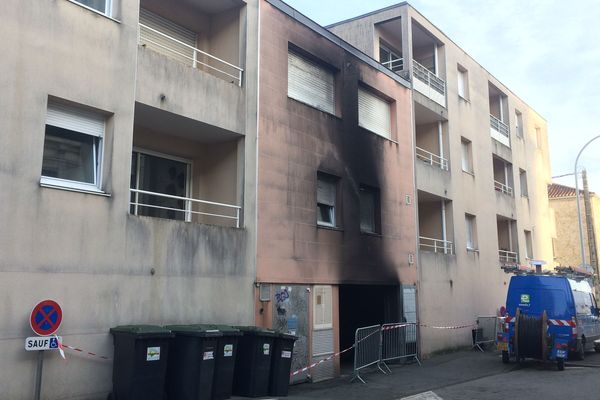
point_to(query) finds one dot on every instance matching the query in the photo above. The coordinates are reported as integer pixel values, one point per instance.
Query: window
(374, 113)
(523, 179)
(310, 83)
(519, 123)
(326, 199)
(528, 245)
(72, 147)
(390, 59)
(369, 210)
(103, 6)
(322, 308)
(471, 232)
(467, 156)
(160, 174)
(538, 137)
(463, 82)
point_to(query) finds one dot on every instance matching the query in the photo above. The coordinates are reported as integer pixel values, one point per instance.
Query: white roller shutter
(374, 113)
(178, 45)
(75, 119)
(310, 83)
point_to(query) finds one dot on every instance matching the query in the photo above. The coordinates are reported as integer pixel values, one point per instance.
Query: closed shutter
(325, 192)
(75, 119)
(374, 113)
(310, 83)
(182, 51)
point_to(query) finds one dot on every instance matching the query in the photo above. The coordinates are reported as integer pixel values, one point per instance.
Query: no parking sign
(45, 317)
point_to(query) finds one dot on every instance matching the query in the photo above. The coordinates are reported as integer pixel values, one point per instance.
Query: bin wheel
(580, 354)
(560, 364)
(505, 357)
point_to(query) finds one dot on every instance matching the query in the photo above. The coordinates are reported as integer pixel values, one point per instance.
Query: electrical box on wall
(264, 290)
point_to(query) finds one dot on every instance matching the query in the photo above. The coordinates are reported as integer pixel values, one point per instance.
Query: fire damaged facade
(336, 221)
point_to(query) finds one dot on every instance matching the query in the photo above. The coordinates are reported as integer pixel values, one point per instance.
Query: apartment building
(565, 244)
(481, 171)
(127, 161)
(336, 216)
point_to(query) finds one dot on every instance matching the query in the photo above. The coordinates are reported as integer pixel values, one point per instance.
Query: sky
(545, 51)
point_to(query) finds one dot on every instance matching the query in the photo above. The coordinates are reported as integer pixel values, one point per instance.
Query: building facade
(482, 166)
(566, 243)
(234, 162)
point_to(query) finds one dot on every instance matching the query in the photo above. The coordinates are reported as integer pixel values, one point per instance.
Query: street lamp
(577, 200)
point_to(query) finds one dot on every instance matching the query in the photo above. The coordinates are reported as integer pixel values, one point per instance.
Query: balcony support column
(441, 141)
(444, 235)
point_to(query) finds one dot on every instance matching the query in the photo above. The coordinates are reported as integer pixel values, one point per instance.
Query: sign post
(44, 320)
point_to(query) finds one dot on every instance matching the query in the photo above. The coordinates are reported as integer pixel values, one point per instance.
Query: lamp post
(582, 246)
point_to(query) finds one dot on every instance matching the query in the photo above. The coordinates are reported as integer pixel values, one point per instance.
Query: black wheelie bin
(191, 364)
(227, 348)
(140, 362)
(253, 362)
(281, 364)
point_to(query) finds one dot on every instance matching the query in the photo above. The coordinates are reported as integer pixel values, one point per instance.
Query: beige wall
(566, 243)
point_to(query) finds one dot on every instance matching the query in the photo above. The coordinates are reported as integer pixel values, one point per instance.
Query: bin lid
(256, 331)
(289, 336)
(141, 330)
(194, 330)
(226, 330)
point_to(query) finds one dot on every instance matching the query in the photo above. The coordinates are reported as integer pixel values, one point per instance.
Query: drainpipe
(441, 141)
(435, 58)
(501, 107)
(444, 237)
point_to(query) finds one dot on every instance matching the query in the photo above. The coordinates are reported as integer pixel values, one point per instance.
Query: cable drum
(531, 336)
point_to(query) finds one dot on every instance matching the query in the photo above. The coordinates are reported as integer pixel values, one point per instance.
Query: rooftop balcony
(429, 84)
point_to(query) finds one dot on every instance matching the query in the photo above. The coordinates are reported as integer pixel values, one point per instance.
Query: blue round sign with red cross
(46, 317)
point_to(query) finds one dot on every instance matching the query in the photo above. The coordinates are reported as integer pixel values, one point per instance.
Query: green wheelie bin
(227, 348)
(281, 364)
(253, 362)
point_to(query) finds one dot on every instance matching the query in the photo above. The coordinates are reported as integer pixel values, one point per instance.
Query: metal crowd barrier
(399, 341)
(485, 331)
(367, 349)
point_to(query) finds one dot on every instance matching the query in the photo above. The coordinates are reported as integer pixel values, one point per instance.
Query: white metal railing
(187, 210)
(435, 245)
(395, 64)
(431, 159)
(499, 126)
(507, 256)
(431, 79)
(235, 73)
(501, 187)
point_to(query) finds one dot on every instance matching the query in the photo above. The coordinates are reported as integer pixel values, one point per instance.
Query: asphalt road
(463, 376)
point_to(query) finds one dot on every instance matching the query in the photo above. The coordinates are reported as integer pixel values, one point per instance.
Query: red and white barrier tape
(384, 328)
(62, 346)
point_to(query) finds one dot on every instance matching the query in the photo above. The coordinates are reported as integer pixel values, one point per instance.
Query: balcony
(508, 257)
(184, 170)
(432, 159)
(429, 84)
(499, 131)
(507, 240)
(502, 188)
(189, 55)
(435, 224)
(436, 245)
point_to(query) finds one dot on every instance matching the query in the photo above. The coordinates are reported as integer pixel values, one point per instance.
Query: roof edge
(402, 4)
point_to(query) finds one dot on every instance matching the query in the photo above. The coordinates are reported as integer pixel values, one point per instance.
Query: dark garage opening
(365, 305)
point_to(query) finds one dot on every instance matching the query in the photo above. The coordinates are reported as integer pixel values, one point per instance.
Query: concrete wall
(104, 266)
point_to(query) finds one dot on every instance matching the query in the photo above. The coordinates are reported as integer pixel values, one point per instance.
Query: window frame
(471, 227)
(462, 82)
(519, 132)
(334, 181)
(108, 7)
(98, 150)
(523, 178)
(366, 93)
(310, 60)
(376, 196)
(466, 144)
(528, 244)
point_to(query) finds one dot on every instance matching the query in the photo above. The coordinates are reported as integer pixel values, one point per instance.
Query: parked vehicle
(549, 316)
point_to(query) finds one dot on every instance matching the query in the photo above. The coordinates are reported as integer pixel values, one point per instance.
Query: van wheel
(560, 364)
(506, 357)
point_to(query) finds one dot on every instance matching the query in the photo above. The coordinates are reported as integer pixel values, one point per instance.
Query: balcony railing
(432, 159)
(221, 67)
(436, 245)
(499, 126)
(428, 77)
(503, 188)
(396, 64)
(187, 210)
(507, 256)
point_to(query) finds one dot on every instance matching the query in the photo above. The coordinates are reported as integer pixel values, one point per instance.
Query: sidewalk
(406, 380)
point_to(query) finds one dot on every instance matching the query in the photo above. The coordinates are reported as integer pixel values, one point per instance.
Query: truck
(549, 316)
